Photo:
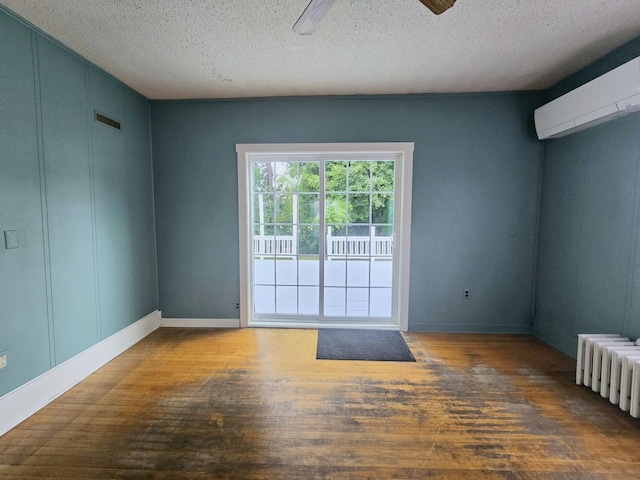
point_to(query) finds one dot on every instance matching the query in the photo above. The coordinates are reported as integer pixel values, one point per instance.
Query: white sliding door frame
(403, 151)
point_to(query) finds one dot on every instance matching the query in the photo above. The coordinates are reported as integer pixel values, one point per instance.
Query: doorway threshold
(326, 324)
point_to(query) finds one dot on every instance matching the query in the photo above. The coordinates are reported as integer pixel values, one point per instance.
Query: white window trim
(402, 222)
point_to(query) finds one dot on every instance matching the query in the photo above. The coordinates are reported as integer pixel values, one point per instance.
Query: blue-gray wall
(589, 249)
(80, 196)
(475, 197)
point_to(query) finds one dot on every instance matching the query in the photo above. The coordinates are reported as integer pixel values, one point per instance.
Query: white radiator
(591, 344)
(601, 355)
(605, 369)
(617, 379)
(634, 407)
(610, 364)
(626, 368)
(582, 354)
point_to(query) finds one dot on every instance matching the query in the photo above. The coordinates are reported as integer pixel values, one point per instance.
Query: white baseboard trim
(19, 404)
(200, 322)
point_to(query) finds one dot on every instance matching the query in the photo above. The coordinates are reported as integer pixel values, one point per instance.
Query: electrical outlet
(3, 360)
(237, 305)
(466, 294)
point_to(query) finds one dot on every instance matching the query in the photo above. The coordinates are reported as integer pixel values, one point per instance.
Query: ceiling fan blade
(438, 6)
(312, 16)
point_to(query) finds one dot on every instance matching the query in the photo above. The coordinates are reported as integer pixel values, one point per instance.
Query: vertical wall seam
(94, 225)
(583, 215)
(43, 198)
(533, 311)
(153, 203)
(127, 164)
(633, 249)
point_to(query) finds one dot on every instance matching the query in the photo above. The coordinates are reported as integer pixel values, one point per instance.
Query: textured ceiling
(246, 48)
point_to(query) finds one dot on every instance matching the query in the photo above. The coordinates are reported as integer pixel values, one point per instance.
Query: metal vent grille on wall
(107, 121)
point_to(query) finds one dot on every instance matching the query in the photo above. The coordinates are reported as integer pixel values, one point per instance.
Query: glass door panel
(285, 239)
(359, 239)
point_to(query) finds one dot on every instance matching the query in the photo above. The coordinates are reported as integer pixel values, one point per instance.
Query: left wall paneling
(111, 205)
(64, 100)
(79, 194)
(24, 326)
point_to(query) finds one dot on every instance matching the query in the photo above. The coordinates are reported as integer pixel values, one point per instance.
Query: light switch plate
(10, 239)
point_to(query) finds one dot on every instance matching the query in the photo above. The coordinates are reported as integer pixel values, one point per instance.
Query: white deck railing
(337, 246)
(371, 246)
(281, 246)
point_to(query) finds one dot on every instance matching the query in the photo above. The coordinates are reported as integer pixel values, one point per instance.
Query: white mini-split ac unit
(612, 95)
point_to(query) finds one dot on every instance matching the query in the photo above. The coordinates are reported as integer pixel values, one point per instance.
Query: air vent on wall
(107, 121)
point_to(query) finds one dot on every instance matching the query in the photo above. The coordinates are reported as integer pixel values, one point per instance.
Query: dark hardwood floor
(255, 403)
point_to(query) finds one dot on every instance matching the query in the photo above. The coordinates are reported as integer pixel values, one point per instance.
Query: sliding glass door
(322, 237)
(358, 258)
(286, 239)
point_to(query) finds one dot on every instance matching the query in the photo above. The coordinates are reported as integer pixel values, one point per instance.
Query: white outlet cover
(10, 239)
